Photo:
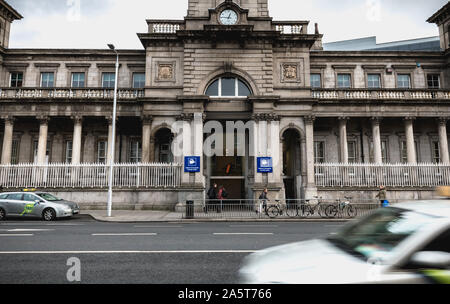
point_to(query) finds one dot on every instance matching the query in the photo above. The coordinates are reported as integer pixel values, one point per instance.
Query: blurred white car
(406, 243)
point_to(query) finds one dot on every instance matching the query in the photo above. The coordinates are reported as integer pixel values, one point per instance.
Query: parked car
(404, 243)
(35, 204)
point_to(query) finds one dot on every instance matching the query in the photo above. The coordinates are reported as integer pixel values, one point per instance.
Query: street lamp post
(113, 135)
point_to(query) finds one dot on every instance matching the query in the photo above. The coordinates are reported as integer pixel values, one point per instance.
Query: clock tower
(200, 8)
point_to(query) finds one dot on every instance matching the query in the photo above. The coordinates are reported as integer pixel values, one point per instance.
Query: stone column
(42, 143)
(76, 141)
(311, 189)
(146, 133)
(376, 135)
(343, 139)
(443, 141)
(410, 143)
(110, 139)
(7, 141)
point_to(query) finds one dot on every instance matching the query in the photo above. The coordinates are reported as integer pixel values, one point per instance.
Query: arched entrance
(292, 173)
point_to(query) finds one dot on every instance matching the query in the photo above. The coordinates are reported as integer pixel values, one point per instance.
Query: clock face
(228, 17)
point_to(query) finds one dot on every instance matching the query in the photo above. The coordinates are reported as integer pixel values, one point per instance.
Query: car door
(15, 203)
(4, 202)
(31, 204)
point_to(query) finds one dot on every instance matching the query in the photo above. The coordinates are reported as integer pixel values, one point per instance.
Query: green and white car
(35, 204)
(405, 243)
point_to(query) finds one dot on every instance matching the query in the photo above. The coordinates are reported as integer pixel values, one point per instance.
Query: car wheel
(49, 215)
(2, 214)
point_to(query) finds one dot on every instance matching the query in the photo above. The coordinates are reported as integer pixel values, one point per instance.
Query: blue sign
(192, 164)
(265, 165)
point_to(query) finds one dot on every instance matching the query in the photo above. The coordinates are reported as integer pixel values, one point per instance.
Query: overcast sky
(94, 23)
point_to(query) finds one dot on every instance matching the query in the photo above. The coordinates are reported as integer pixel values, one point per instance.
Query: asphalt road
(151, 253)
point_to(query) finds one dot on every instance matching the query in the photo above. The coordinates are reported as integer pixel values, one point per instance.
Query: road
(116, 253)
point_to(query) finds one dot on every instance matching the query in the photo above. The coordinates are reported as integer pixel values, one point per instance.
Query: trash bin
(189, 209)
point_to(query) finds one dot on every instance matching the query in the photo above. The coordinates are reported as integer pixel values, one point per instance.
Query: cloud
(55, 24)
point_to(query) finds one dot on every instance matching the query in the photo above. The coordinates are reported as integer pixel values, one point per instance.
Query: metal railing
(90, 176)
(69, 93)
(374, 175)
(286, 209)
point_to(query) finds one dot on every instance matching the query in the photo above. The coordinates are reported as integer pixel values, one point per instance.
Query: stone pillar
(7, 141)
(311, 189)
(146, 133)
(42, 143)
(76, 141)
(443, 141)
(410, 143)
(376, 135)
(274, 151)
(110, 139)
(343, 139)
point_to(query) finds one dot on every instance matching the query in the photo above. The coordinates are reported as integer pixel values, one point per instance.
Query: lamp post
(113, 135)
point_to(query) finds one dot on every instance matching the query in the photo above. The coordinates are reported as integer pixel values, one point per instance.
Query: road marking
(254, 226)
(158, 226)
(130, 252)
(124, 234)
(12, 235)
(29, 230)
(242, 233)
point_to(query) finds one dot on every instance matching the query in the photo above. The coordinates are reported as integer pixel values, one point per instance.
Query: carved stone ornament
(290, 72)
(165, 72)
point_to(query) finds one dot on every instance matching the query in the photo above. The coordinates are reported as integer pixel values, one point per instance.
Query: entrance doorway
(292, 164)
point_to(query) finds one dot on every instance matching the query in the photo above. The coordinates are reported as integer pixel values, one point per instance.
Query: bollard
(189, 210)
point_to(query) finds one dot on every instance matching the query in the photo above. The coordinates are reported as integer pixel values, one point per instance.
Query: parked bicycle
(274, 210)
(342, 208)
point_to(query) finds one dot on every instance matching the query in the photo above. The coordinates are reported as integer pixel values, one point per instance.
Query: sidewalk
(125, 216)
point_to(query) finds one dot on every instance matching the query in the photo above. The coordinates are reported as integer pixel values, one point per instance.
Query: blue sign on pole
(192, 164)
(265, 165)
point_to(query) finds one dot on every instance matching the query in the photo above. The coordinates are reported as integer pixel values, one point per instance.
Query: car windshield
(49, 197)
(379, 233)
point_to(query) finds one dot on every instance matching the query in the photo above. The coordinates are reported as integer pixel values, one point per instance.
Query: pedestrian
(212, 197)
(221, 195)
(382, 195)
(264, 198)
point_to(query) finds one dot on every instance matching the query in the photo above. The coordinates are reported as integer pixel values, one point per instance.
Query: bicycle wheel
(331, 211)
(352, 211)
(292, 210)
(273, 212)
(322, 210)
(308, 211)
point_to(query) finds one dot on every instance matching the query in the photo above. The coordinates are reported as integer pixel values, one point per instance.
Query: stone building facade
(227, 61)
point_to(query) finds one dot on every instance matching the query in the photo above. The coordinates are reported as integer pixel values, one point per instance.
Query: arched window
(228, 87)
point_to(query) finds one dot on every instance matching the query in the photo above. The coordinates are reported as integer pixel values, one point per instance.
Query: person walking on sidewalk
(212, 198)
(263, 199)
(382, 196)
(221, 195)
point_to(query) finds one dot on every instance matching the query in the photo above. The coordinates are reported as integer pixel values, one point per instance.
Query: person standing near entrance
(212, 197)
(221, 195)
(263, 198)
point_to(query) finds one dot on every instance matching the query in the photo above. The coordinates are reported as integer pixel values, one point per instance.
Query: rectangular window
(35, 150)
(352, 155)
(384, 151)
(135, 152)
(374, 81)
(78, 80)
(68, 156)
(108, 80)
(434, 81)
(404, 81)
(436, 152)
(15, 151)
(319, 152)
(404, 151)
(316, 81)
(47, 80)
(344, 81)
(16, 80)
(102, 150)
(138, 80)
